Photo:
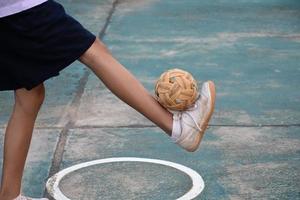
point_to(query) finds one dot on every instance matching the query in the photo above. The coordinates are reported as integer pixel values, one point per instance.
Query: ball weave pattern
(176, 89)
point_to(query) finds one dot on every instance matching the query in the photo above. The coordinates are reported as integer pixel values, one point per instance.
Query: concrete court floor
(251, 49)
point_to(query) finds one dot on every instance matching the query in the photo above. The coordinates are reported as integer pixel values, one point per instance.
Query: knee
(91, 56)
(30, 101)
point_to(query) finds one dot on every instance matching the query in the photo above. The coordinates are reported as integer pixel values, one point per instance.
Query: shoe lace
(193, 107)
(177, 114)
(194, 121)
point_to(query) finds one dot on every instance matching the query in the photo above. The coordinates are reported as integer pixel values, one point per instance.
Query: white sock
(19, 196)
(176, 129)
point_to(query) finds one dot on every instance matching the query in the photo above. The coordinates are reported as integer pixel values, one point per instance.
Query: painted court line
(198, 183)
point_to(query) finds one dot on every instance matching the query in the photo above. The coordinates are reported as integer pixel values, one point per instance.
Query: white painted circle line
(198, 183)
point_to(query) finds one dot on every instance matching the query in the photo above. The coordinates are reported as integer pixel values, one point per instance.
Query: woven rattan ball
(176, 89)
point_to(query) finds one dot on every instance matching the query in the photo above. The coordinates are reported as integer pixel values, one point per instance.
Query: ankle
(176, 127)
(9, 195)
(167, 124)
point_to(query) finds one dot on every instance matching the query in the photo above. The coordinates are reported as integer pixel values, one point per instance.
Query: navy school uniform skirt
(36, 44)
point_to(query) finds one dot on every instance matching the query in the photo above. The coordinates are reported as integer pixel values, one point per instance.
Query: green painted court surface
(251, 49)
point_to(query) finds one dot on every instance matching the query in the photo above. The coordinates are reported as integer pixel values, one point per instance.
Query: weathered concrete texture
(259, 163)
(90, 144)
(6, 106)
(91, 13)
(99, 106)
(250, 49)
(38, 161)
(126, 181)
(236, 163)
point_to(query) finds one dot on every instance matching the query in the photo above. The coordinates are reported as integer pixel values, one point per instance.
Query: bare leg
(17, 139)
(124, 85)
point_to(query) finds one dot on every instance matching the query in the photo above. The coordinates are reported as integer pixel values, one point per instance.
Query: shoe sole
(212, 91)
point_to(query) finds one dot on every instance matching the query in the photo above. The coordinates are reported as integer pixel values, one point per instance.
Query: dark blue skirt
(36, 44)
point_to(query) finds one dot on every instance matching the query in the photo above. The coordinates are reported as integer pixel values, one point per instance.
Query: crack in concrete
(72, 111)
(154, 126)
(108, 19)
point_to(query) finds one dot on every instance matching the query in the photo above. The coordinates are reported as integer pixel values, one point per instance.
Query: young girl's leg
(124, 85)
(18, 137)
(186, 128)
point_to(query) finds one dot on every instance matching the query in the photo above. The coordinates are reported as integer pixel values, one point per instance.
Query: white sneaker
(194, 120)
(21, 197)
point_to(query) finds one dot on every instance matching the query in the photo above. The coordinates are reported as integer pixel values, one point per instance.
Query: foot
(194, 121)
(21, 197)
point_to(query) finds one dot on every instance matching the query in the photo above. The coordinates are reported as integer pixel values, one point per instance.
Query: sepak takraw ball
(176, 89)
